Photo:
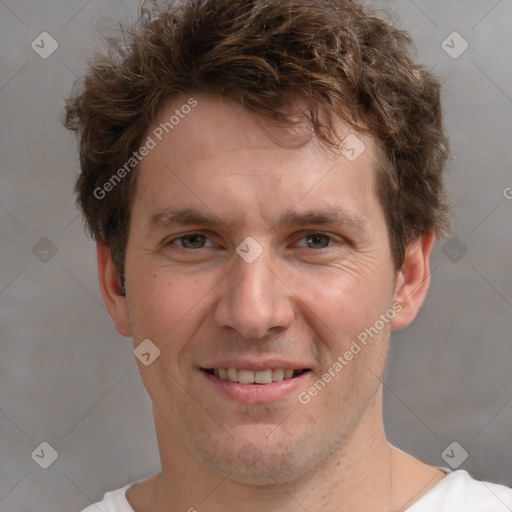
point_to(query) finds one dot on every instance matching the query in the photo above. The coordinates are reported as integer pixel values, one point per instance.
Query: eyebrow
(190, 216)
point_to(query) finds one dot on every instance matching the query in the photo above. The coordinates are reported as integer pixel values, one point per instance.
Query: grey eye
(192, 241)
(318, 241)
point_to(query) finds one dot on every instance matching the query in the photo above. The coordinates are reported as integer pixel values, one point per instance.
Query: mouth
(258, 377)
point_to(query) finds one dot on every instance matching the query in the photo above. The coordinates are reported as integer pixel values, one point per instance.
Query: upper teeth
(250, 377)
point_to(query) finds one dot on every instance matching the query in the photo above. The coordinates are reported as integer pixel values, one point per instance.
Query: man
(264, 183)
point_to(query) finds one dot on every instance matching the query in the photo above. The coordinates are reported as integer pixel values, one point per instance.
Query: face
(252, 260)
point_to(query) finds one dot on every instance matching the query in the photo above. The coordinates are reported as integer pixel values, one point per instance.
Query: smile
(255, 377)
(259, 386)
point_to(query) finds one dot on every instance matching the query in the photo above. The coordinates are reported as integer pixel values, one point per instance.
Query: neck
(357, 477)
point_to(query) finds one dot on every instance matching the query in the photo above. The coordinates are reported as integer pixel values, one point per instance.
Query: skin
(302, 299)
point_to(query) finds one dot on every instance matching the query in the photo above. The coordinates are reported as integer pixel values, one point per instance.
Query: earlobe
(413, 280)
(110, 287)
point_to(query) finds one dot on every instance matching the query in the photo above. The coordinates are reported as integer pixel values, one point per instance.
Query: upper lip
(255, 366)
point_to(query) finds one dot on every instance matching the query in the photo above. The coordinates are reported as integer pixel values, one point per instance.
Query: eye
(200, 241)
(190, 241)
(316, 240)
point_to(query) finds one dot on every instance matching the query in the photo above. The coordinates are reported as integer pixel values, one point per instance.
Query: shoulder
(113, 501)
(459, 492)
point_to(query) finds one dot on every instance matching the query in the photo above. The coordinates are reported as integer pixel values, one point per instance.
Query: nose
(254, 300)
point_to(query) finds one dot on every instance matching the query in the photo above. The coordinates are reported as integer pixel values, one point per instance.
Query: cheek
(343, 303)
(168, 308)
(152, 302)
(162, 295)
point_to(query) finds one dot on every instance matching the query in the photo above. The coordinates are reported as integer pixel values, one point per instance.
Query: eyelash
(305, 235)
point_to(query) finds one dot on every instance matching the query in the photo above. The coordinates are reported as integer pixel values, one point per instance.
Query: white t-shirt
(456, 492)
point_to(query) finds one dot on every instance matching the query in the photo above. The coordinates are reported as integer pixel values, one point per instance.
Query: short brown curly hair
(337, 56)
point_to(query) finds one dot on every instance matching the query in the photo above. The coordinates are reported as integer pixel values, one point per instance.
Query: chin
(268, 470)
(261, 462)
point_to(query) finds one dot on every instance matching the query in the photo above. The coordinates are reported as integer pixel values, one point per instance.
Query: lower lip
(256, 393)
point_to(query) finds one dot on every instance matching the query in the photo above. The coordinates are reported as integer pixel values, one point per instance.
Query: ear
(111, 291)
(413, 280)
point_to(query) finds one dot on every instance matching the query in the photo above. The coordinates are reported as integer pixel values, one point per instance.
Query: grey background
(68, 379)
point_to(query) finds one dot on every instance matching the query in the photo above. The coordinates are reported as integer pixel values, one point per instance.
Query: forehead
(204, 121)
(211, 154)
